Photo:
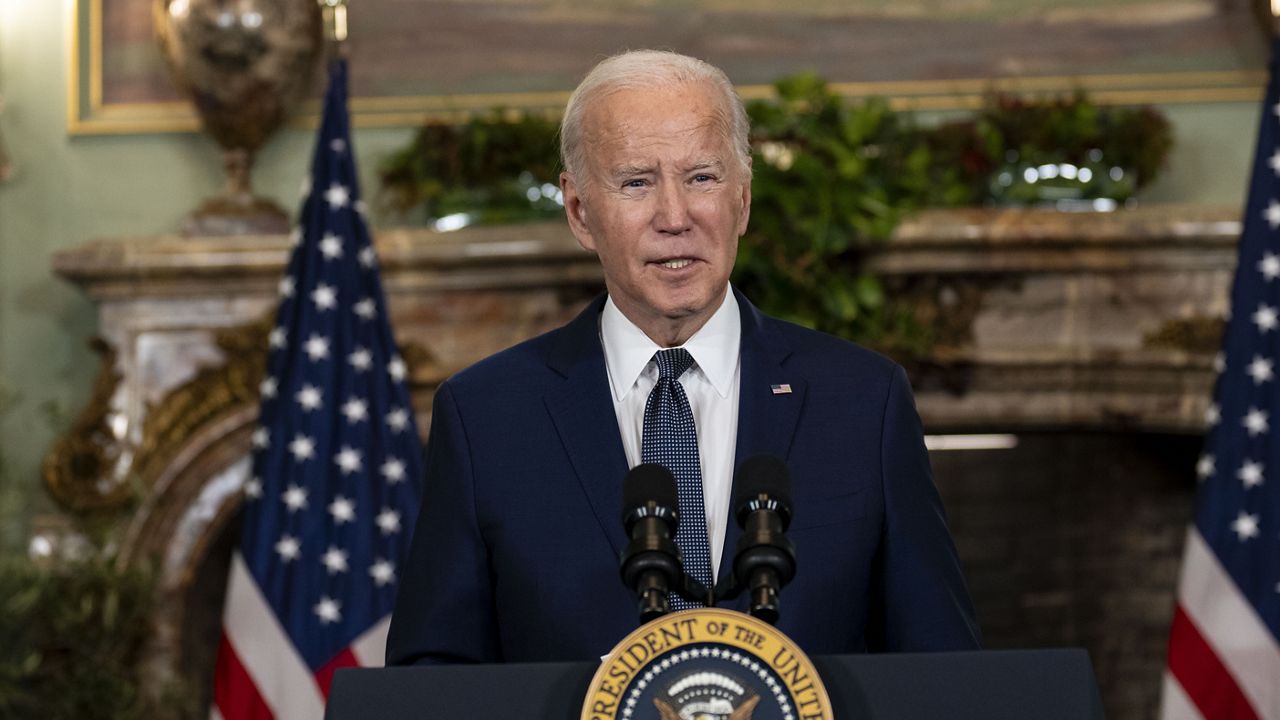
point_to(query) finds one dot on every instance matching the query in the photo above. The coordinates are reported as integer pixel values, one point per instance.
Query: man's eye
(633, 184)
(703, 178)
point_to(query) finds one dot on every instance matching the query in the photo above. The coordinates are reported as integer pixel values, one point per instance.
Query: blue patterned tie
(671, 440)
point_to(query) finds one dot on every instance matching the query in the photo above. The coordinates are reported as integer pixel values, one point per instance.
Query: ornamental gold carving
(91, 467)
(80, 467)
(211, 393)
(1200, 334)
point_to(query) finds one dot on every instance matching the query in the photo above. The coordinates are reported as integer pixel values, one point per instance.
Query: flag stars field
(360, 360)
(335, 560)
(1265, 318)
(348, 460)
(316, 347)
(327, 378)
(382, 572)
(1205, 467)
(1250, 473)
(1245, 526)
(388, 521)
(1255, 421)
(328, 610)
(325, 297)
(295, 498)
(1260, 370)
(355, 410)
(1272, 214)
(302, 448)
(342, 509)
(288, 548)
(393, 471)
(253, 488)
(398, 420)
(310, 398)
(331, 247)
(1269, 266)
(337, 196)
(1212, 415)
(397, 369)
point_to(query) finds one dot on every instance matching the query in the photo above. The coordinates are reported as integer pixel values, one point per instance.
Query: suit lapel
(766, 420)
(582, 410)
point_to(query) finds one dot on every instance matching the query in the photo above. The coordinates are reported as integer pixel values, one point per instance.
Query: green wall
(71, 189)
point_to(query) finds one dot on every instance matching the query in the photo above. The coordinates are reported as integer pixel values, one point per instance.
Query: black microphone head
(645, 484)
(762, 475)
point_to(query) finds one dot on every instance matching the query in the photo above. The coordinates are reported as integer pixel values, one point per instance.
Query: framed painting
(414, 60)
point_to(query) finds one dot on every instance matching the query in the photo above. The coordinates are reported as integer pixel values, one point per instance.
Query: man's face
(662, 200)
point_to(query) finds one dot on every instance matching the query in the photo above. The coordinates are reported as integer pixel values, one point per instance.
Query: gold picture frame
(1236, 72)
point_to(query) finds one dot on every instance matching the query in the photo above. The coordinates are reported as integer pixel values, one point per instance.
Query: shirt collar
(714, 347)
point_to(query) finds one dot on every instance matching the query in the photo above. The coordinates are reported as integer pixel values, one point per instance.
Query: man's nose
(672, 213)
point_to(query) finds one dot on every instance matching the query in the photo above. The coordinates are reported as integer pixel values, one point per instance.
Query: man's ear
(575, 210)
(745, 214)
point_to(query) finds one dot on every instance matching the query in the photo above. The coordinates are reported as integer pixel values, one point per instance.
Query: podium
(991, 685)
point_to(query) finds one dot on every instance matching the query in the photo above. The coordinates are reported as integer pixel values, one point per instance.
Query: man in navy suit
(515, 553)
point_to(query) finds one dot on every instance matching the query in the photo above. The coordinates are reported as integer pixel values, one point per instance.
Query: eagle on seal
(742, 712)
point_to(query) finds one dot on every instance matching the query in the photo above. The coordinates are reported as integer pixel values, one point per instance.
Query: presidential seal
(708, 664)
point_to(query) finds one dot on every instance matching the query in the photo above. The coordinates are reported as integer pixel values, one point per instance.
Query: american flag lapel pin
(783, 389)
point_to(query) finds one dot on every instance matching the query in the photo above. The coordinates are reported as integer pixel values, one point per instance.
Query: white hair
(649, 69)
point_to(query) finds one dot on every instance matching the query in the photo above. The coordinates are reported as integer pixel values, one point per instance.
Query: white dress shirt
(711, 385)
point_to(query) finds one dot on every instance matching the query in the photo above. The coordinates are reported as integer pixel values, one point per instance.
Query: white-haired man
(515, 554)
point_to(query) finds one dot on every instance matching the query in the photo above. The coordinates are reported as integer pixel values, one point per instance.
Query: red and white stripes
(1224, 663)
(260, 675)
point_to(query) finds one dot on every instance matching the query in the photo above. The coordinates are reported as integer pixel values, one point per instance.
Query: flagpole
(335, 25)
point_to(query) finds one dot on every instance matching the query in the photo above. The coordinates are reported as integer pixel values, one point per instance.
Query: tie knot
(672, 363)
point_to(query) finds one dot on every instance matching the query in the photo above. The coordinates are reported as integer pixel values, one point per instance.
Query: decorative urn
(244, 64)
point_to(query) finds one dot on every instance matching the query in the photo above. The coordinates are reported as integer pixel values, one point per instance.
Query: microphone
(764, 558)
(650, 562)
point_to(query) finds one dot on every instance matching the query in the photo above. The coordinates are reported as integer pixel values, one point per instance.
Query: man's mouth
(675, 263)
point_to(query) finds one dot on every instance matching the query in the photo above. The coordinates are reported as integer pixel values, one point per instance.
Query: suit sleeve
(444, 610)
(924, 604)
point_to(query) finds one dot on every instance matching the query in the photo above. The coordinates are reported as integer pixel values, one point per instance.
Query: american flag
(336, 462)
(1224, 658)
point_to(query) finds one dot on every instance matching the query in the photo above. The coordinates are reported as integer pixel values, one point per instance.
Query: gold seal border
(766, 643)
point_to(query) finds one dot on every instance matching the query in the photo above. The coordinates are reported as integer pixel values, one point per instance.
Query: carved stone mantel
(163, 445)
(1057, 320)
(1106, 321)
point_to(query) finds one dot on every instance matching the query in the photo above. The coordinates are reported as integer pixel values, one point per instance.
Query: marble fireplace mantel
(1052, 320)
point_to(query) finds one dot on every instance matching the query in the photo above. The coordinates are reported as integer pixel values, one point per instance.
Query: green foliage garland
(832, 179)
(496, 166)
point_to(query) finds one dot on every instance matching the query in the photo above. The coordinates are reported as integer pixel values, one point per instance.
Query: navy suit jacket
(515, 552)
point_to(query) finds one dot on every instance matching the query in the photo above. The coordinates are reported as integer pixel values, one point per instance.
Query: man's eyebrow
(622, 171)
(708, 164)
